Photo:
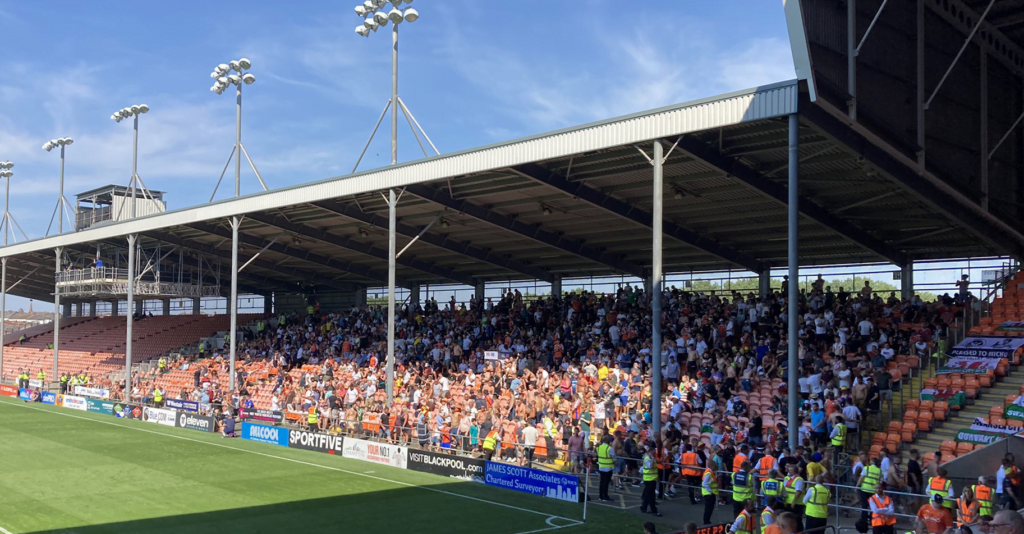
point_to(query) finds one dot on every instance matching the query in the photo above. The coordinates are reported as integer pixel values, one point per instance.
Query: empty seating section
(922, 418)
(97, 347)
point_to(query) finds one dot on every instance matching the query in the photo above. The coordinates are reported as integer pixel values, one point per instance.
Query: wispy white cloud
(634, 72)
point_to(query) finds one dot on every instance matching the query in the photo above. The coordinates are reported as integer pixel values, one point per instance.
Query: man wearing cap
(934, 516)
(649, 472)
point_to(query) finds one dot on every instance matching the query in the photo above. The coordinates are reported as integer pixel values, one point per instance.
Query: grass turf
(65, 471)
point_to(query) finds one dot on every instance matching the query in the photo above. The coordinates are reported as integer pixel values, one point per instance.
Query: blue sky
(472, 72)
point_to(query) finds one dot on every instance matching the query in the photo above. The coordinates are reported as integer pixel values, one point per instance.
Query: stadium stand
(96, 347)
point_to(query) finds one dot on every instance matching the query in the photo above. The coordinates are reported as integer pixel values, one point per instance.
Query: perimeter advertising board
(48, 398)
(73, 402)
(533, 481)
(312, 441)
(265, 434)
(8, 391)
(378, 453)
(128, 411)
(447, 465)
(159, 416)
(181, 405)
(28, 395)
(193, 421)
(104, 407)
(266, 416)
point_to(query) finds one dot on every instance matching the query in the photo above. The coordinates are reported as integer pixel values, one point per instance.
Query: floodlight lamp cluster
(54, 143)
(375, 17)
(227, 74)
(5, 169)
(126, 113)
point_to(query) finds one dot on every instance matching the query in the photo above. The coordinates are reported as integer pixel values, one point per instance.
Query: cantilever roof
(565, 203)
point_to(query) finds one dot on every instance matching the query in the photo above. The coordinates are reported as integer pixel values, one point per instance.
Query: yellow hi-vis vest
(157, 396)
(872, 476)
(604, 456)
(790, 489)
(491, 441)
(313, 418)
(840, 438)
(709, 475)
(650, 473)
(771, 488)
(818, 505)
(742, 486)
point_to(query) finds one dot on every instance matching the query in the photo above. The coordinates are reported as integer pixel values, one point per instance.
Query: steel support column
(656, 290)
(764, 282)
(919, 89)
(792, 300)
(983, 120)
(3, 311)
(268, 304)
(392, 220)
(132, 238)
(907, 281)
(414, 298)
(166, 306)
(79, 306)
(235, 223)
(58, 252)
(556, 287)
(197, 306)
(851, 58)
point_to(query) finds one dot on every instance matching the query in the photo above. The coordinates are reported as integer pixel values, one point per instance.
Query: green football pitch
(77, 472)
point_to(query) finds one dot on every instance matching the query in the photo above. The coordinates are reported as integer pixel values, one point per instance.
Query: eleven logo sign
(194, 422)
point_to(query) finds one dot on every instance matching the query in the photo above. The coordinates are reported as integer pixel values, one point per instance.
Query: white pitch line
(406, 484)
(553, 526)
(4, 531)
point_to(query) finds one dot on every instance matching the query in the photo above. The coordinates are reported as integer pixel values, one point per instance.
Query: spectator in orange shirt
(934, 517)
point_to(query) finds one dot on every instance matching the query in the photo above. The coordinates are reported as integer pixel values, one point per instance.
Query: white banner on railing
(99, 393)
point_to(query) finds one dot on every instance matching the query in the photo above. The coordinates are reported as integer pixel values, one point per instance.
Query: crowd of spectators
(545, 379)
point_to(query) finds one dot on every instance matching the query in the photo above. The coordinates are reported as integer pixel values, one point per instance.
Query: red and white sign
(8, 391)
(378, 453)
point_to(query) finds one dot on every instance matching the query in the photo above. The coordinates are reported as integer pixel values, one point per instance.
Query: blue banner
(533, 481)
(48, 398)
(181, 405)
(30, 395)
(265, 434)
(104, 407)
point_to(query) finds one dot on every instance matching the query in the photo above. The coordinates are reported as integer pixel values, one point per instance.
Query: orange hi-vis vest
(879, 520)
(689, 467)
(738, 461)
(968, 512)
(766, 464)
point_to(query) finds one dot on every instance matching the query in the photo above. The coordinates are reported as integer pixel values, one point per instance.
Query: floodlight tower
(372, 11)
(136, 181)
(225, 74)
(5, 226)
(63, 207)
